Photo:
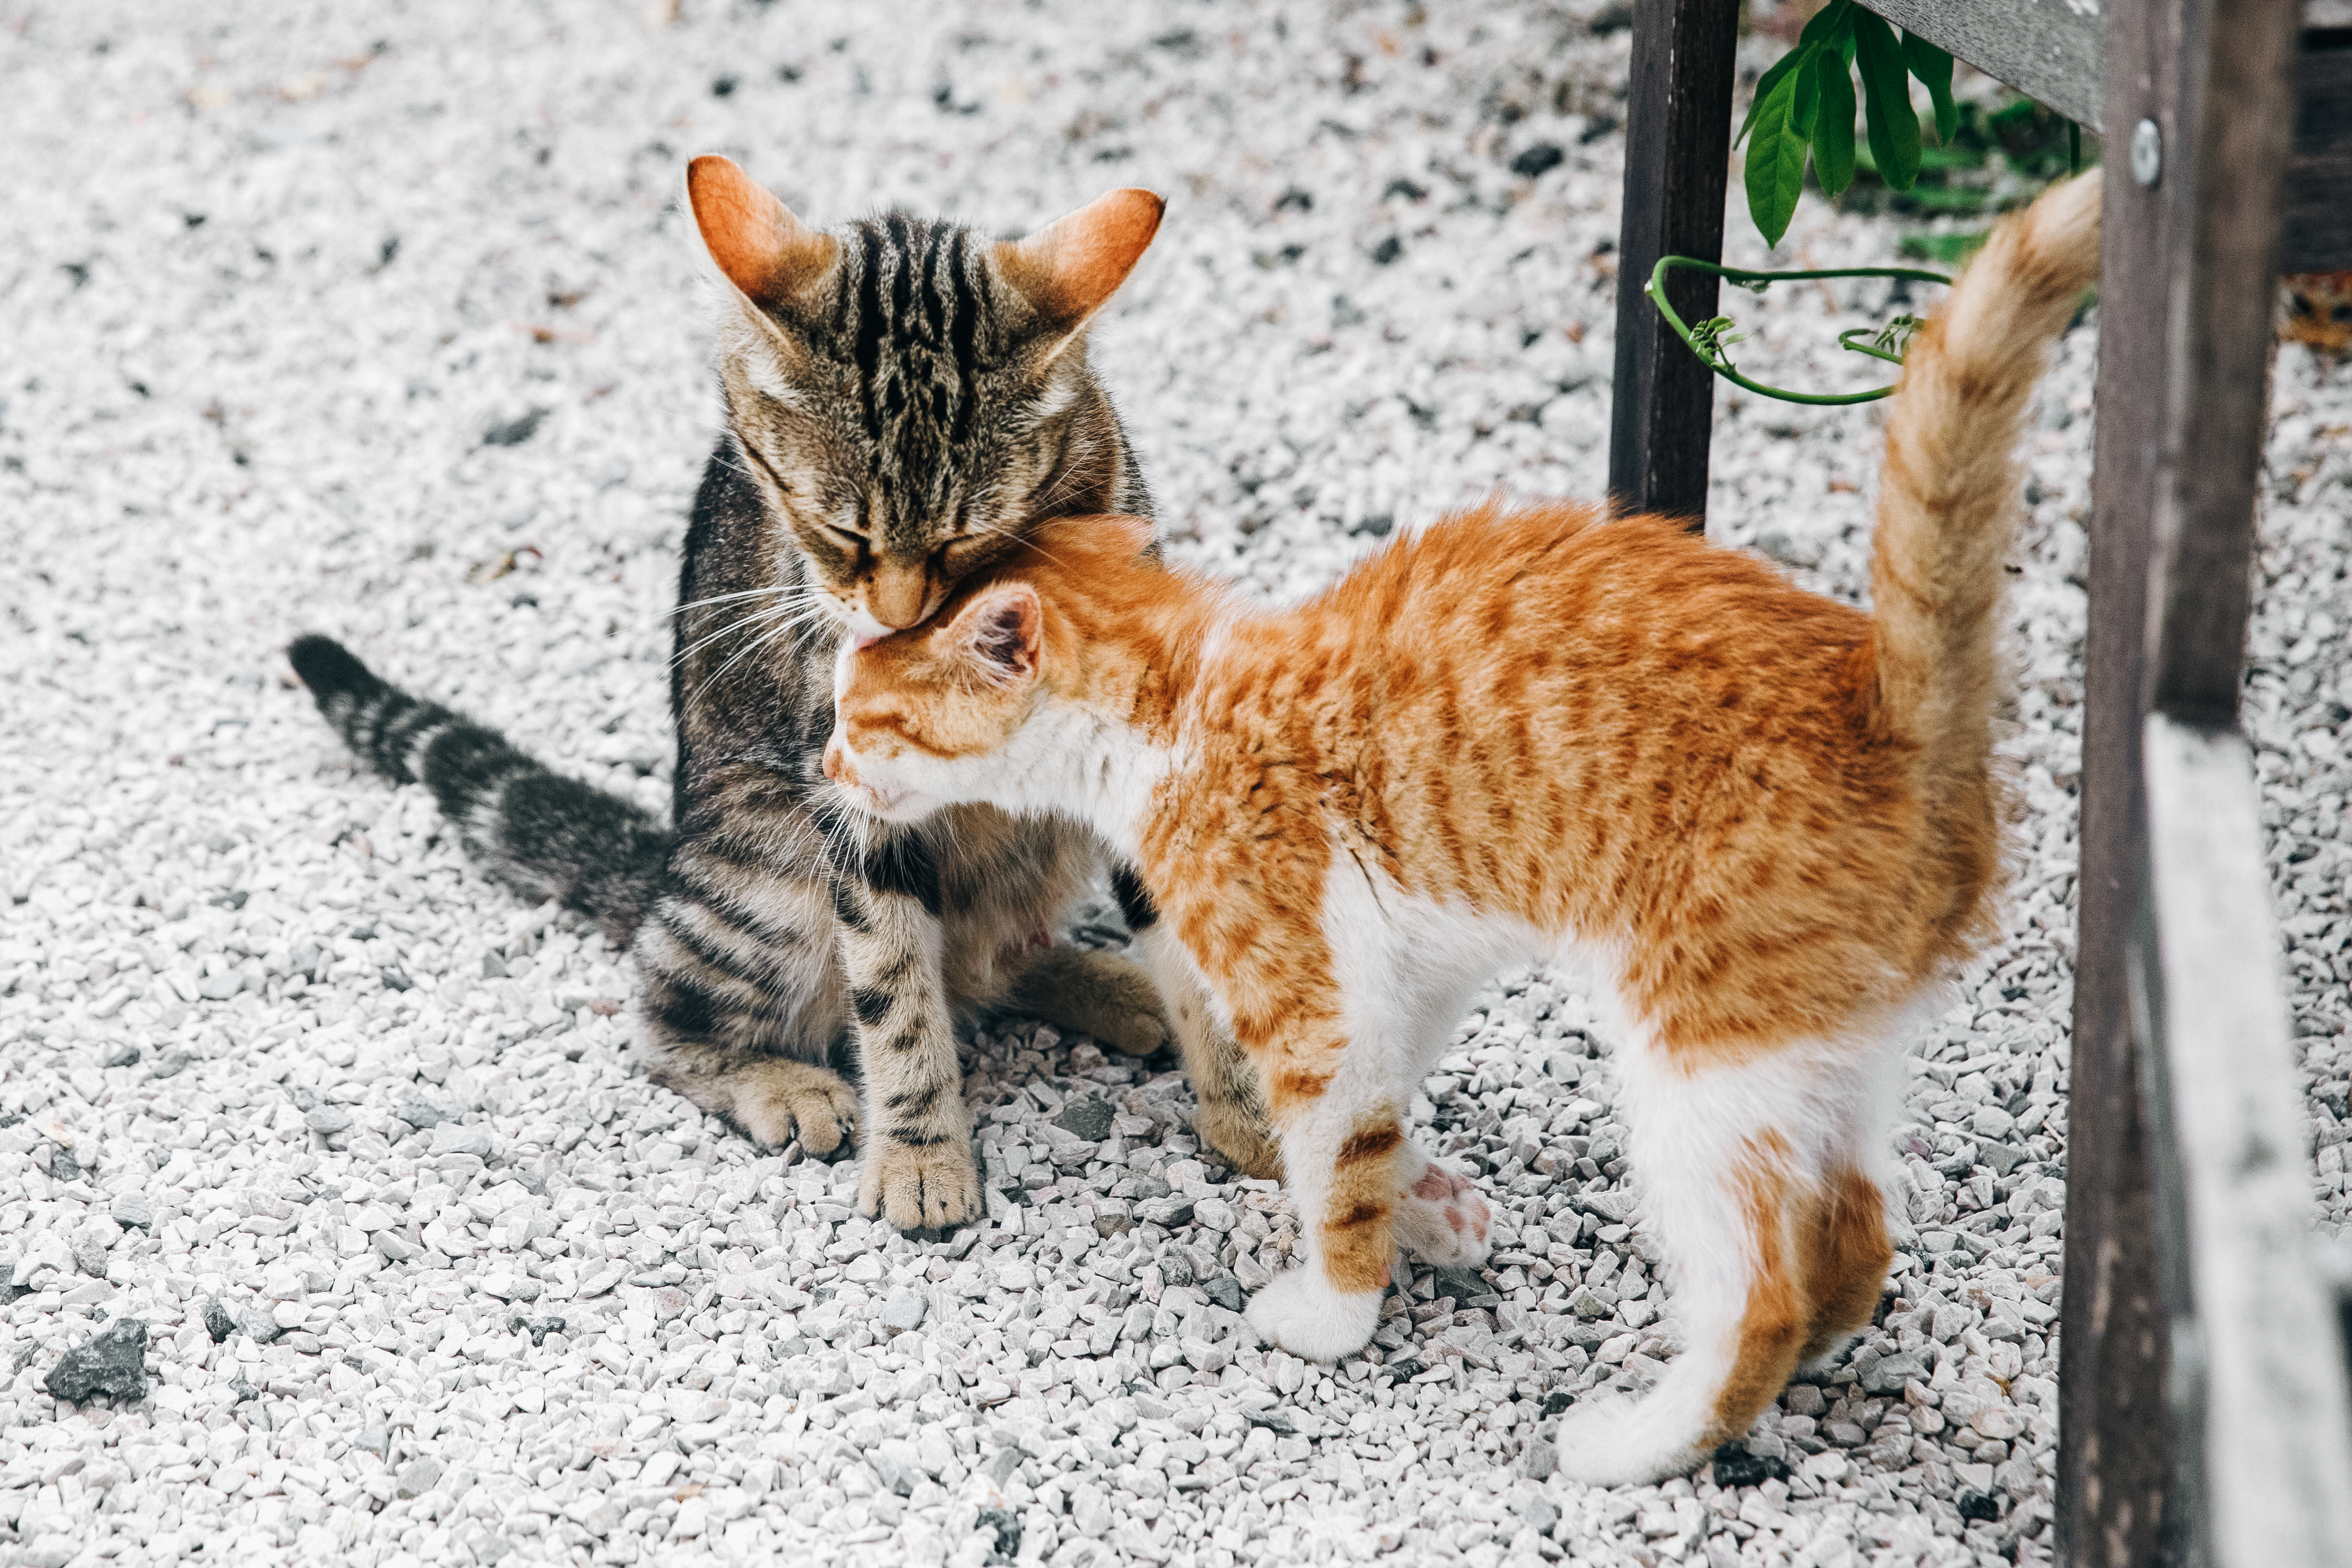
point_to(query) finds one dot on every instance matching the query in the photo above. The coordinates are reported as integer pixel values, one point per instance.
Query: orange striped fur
(1764, 822)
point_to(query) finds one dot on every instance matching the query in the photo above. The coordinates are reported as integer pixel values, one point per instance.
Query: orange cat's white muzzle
(841, 767)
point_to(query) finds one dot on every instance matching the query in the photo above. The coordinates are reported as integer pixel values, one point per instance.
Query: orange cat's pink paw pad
(1442, 1218)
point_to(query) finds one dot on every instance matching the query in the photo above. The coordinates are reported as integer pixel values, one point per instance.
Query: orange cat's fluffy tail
(1947, 497)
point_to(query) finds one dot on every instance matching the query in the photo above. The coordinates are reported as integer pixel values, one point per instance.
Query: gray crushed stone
(386, 325)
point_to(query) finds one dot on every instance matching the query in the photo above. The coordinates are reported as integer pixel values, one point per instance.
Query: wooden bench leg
(2190, 257)
(1677, 163)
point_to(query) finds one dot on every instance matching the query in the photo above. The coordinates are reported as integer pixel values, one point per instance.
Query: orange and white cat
(1763, 821)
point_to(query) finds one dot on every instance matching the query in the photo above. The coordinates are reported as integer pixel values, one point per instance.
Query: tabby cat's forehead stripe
(915, 318)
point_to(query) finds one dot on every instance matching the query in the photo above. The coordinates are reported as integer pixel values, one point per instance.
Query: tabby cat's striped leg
(1232, 1115)
(742, 999)
(919, 1171)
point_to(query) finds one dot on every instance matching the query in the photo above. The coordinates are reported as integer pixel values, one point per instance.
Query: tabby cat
(905, 402)
(1763, 822)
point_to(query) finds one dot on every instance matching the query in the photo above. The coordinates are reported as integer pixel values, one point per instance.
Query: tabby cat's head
(909, 397)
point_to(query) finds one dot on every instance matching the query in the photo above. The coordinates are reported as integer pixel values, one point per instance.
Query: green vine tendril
(1711, 339)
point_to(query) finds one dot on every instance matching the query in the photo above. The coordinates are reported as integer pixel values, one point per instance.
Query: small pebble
(904, 1311)
(112, 1361)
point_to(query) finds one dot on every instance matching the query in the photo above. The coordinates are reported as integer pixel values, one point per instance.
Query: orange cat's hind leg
(1848, 1253)
(1762, 1249)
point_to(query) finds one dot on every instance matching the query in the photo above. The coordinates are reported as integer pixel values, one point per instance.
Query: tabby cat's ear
(997, 633)
(1068, 268)
(763, 249)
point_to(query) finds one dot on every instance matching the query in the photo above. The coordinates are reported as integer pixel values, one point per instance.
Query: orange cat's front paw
(1303, 1313)
(1442, 1219)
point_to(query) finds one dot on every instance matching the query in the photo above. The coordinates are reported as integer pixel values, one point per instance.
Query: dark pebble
(1978, 1506)
(538, 1329)
(1538, 161)
(1006, 1527)
(1225, 1292)
(218, 1322)
(114, 1362)
(394, 979)
(516, 431)
(1736, 1467)
(1467, 1288)
(1089, 1119)
(122, 1056)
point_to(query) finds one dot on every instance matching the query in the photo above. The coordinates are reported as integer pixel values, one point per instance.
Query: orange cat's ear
(997, 633)
(1068, 268)
(763, 248)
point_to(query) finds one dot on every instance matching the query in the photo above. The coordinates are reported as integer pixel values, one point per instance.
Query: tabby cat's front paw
(774, 1101)
(932, 1187)
(1097, 993)
(1303, 1313)
(1237, 1133)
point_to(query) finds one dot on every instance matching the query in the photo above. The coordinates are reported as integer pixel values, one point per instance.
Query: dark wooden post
(1677, 160)
(2191, 243)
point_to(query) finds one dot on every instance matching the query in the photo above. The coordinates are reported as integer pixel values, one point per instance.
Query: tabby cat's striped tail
(543, 835)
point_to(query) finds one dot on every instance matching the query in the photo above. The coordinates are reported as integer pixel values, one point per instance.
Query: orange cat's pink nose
(836, 763)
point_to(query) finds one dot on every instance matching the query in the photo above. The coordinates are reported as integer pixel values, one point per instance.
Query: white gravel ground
(268, 275)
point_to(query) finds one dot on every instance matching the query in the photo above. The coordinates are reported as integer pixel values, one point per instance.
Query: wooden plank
(2052, 50)
(2047, 49)
(2261, 1397)
(2226, 180)
(1677, 161)
(2115, 1447)
(2171, 503)
(2318, 216)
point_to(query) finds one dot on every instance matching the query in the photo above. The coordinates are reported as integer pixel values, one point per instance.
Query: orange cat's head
(985, 702)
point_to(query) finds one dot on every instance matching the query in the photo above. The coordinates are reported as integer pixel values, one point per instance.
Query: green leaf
(1886, 102)
(1773, 78)
(1833, 128)
(1776, 163)
(1831, 19)
(1816, 35)
(1808, 99)
(1933, 66)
